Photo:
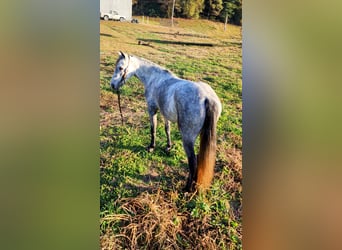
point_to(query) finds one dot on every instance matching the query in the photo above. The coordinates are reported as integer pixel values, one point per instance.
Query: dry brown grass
(153, 221)
(150, 220)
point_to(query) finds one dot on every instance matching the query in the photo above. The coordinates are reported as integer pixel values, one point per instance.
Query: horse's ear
(122, 54)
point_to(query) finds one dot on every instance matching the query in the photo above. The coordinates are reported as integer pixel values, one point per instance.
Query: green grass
(141, 200)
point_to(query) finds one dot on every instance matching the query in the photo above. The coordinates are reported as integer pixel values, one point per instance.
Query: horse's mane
(158, 67)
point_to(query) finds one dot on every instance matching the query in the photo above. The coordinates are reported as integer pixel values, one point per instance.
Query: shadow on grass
(163, 172)
(180, 34)
(238, 44)
(177, 42)
(172, 179)
(104, 34)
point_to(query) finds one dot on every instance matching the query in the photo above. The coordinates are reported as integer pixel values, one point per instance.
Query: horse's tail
(207, 152)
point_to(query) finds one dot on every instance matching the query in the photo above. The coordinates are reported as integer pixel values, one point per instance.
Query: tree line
(208, 9)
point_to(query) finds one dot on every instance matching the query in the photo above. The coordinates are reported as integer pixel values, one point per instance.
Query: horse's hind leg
(167, 131)
(192, 161)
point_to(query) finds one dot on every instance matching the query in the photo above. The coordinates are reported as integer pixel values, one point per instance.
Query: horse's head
(122, 71)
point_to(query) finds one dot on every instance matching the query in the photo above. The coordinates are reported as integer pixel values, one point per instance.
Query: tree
(173, 11)
(232, 10)
(213, 8)
(150, 8)
(191, 8)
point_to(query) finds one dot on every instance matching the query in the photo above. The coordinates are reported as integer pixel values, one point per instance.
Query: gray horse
(193, 105)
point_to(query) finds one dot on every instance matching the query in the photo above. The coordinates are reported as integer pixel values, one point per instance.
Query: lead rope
(118, 92)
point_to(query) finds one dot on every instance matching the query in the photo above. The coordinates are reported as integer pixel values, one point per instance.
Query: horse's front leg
(168, 135)
(153, 122)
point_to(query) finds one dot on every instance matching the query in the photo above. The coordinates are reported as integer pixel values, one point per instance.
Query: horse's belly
(169, 111)
(171, 117)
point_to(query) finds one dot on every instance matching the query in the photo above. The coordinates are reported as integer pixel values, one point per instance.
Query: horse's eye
(120, 68)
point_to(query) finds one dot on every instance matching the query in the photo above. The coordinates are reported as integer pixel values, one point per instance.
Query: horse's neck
(149, 73)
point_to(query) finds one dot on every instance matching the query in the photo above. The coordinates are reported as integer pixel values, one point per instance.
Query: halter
(123, 78)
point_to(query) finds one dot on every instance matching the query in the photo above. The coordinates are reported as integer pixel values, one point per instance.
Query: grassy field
(142, 203)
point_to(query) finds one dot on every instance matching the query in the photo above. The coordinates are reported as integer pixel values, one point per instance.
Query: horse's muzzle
(115, 87)
(118, 85)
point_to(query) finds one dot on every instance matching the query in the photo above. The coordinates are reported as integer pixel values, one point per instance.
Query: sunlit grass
(141, 196)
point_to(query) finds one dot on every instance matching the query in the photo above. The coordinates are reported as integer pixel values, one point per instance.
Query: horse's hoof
(167, 149)
(190, 187)
(186, 189)
(150, 149)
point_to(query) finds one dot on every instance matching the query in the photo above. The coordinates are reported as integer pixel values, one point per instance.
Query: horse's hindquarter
(211, 95)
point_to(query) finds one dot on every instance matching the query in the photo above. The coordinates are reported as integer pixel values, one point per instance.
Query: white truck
(110, 9)
(112, 15)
